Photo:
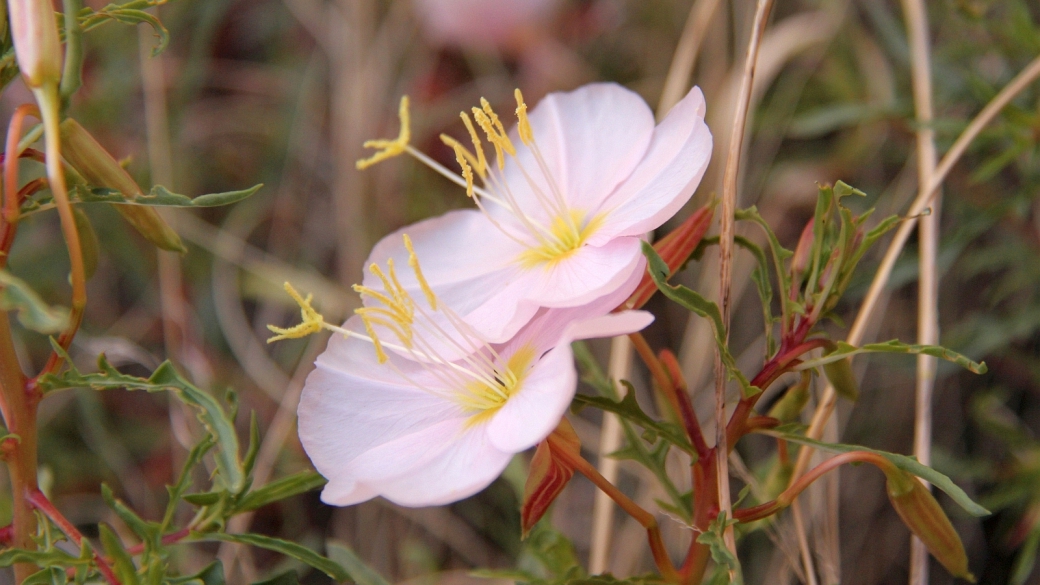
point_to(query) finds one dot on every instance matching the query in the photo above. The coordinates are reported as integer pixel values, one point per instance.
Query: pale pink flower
(483, 24)
(428, 431)
(562, 207)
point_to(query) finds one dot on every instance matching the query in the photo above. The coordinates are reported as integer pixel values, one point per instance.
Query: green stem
(72, 75)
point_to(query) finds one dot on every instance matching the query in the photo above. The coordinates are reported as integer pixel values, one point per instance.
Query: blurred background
(284, 92)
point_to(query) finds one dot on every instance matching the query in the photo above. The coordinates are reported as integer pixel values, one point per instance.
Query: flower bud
(789, 407)
(100, 169)
(926, 519)
(675, 250)
(802, 253)
(840, 375)
(34, 31)
(549, 474)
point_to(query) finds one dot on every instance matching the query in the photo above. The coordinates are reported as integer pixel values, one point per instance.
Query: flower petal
(610, 325)
(535, 410)
(666, 177)
(588, 273)
(590, 139)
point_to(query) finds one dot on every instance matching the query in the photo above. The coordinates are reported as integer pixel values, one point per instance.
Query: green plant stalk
(19, 409)
(72, 72)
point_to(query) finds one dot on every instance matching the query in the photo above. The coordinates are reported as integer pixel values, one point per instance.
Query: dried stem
(928, 285)
(681, 69)
(866, 311)
(729, 203)
(610, 440)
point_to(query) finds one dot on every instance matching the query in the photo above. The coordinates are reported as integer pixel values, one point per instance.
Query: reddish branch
(41, 503)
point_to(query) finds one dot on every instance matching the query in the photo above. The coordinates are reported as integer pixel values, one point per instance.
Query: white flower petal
(666, 177)
(535, 410)
(610, 325)
(590, 138)
(588, 273)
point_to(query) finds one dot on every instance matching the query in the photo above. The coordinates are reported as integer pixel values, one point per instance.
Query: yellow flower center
(483, 400)
(565, 236)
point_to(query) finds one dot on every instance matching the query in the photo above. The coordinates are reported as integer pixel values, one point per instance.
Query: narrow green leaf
(290, 549)
(42, 558)
(203, 499)
(176, 491)
(358, 569)
(287, 578)
(212, 574)
(703, 307)
(895, 346)
(33, 312)
(51, 576)
(907, 464)
(88, 241)
(123, 565)
(281, 489)
(147, 531)
(165, 377)
(629, 409)
(161, 196)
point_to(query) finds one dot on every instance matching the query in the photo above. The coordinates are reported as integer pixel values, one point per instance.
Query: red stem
(41, 503)
(682, 394)
(171, 538)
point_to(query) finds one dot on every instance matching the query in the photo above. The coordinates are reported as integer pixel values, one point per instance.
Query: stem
(47, 97)
(682, 395)
(41, 503)
(19, 409)
(786, 498)
(11, 155)
(646, 519)
(72, 74)
(171, 538)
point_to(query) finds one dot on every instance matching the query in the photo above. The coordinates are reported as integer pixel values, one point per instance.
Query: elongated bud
(802, 253)
(790, 406)
(675, 250)
(34, 31)
(100, 169)
(549, 474)
(840, 375)
(926, 519)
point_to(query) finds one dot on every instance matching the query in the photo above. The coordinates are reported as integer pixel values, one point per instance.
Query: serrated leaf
(725, 560)
(290, 549)
(844, 350)
(907, 464)
(160, 196)
(133, 16)
(280, 489)
(166, 378)
(703, 307)
(359, 570)
(32, 311)
(41, 558)
(629, 409)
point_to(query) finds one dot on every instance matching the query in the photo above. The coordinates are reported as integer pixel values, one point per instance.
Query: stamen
(524, 125)
(498, 126)
(390, 148)
(381, 356)
(413, 262)
(311, 320)
(478, 147)
(467, 171)
(458, 147)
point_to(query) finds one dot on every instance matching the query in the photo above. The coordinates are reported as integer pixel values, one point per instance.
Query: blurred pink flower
(483, 24)
(562, 208)
(427, 431)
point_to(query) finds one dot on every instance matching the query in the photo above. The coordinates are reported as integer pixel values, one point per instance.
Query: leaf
(33, 312)
(147, 531)
(725, 560)
(895, 346)
(703, 307)
(121, 561)
(165, 377)
(908, 464)
(42, 558)
(162, 197)
(629, 409)
(358, 569)
(176, 491)
(204, 498)
(212, 574)
(133, 16)
(51, 576)
(281, 489)
(290, 549)
(765, 289)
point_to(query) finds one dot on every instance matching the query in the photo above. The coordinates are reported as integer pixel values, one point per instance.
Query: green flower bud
(34, 31)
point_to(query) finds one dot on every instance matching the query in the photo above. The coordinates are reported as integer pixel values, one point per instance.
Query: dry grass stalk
(618, 368)
(928, 285)
(681, 68)
(729, 203)
(866, 312)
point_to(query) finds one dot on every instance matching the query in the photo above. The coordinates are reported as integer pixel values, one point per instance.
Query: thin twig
(681, 69)
(41, 503)
(928, 285)
(729, 203)
(884, 271)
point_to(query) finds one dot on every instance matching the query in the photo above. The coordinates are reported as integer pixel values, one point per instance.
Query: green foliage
(32, 311)
(843, 350)
(290, 549)
(629, 409)
(727, 566)
(360, 572)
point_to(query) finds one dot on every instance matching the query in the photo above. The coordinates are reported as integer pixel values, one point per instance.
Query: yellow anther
(524, 125)
(380, 354)
(390, 148)
(489, 129)
(499, 129)
(478, 148)
(413, 261)
(467, 171)
(311, 321)
(469, 156)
